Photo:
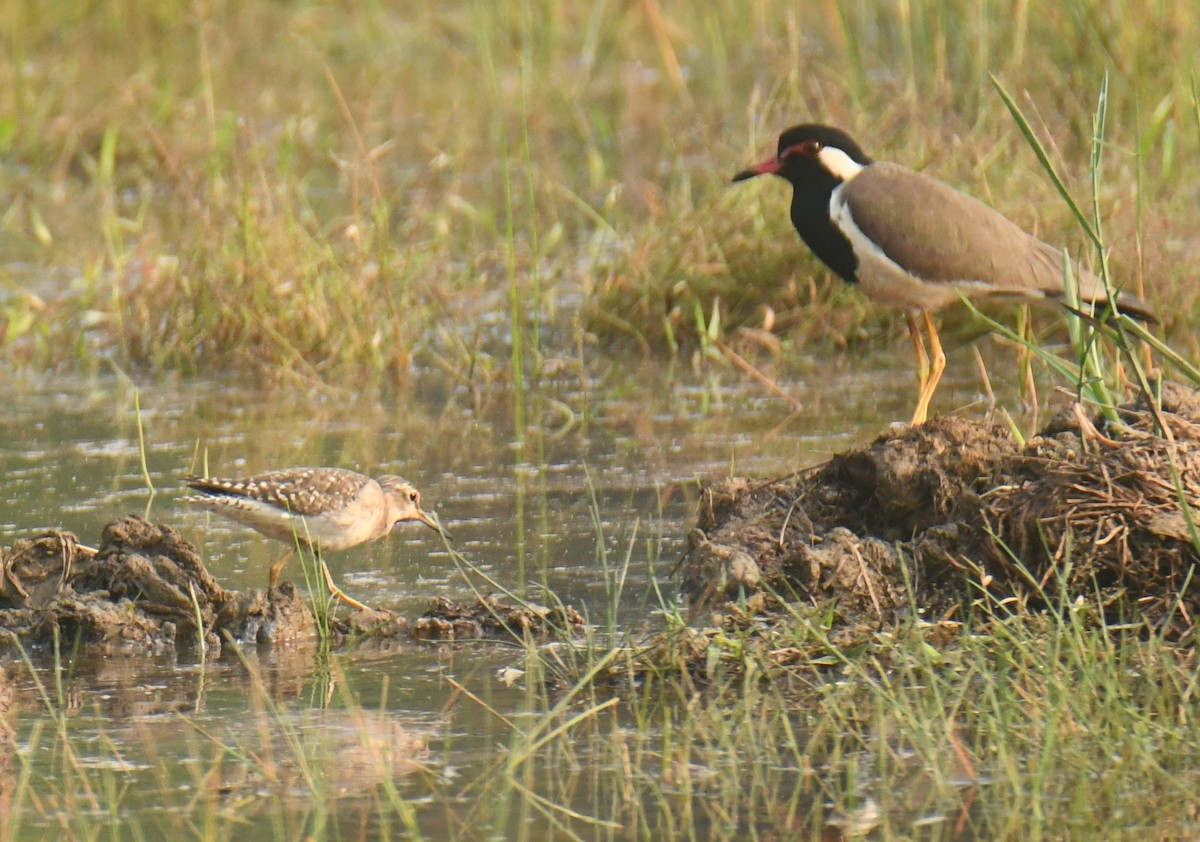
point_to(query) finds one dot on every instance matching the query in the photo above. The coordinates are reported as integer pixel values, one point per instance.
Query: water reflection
(71, 460)
(605, 476)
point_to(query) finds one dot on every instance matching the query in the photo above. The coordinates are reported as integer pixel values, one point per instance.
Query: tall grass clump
(301, 193)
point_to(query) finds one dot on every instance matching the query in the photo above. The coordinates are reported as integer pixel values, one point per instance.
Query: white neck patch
(839, 163)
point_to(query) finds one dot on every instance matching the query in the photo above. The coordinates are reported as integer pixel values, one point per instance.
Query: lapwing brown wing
(911, 241)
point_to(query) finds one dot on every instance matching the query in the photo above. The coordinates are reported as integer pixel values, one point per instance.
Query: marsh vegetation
(494, 244)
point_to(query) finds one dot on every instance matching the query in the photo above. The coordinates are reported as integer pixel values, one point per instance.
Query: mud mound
(930, 517)
(489, 617)
(146, 591)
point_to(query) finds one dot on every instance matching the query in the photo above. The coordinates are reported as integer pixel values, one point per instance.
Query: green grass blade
(1044, 158)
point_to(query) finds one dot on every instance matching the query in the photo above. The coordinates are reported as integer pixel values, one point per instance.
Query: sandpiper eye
(414, 497)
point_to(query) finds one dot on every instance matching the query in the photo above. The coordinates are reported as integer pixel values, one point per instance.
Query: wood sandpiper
(319, 508)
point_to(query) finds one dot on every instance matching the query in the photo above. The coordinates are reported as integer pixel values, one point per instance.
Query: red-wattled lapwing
(321, 508)
(912, 241)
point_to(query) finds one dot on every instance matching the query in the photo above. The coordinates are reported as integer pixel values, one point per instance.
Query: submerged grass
(1007, 724)
(309, 191)
(1000, 727)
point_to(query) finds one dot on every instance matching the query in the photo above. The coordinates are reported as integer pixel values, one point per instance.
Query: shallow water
(603, 477)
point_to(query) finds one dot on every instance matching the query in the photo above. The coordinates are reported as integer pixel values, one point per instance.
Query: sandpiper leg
(278, 566)
(337, 592)
(935, 365)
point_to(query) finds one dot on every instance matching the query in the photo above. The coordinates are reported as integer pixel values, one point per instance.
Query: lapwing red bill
(911, 241)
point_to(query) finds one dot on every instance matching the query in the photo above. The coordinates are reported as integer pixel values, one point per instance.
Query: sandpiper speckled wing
(321, 508)
(330, 508)
(301, 491)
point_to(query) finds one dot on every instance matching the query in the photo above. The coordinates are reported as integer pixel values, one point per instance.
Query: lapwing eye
(805, 148)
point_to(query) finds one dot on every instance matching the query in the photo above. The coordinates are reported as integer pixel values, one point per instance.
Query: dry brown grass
(313, 190)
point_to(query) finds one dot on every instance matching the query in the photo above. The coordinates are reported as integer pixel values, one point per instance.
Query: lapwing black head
(816, 160)
(811, 155)
(910, 240)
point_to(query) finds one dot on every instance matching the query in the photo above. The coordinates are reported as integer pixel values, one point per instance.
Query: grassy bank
(996, 727)
(315, 189)
(331, 194)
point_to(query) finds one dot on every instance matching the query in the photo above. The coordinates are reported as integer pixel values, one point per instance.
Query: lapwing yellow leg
(911, 241)
(929, 367)
(914, 333)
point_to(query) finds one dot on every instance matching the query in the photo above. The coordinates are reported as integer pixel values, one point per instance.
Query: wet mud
(933, 518)
(146, 591)
(928, 521)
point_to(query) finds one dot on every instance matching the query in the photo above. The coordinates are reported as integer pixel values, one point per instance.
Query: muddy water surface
(603, 476)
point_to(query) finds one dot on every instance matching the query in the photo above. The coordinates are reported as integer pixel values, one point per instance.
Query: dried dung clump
(146, 591)
(489, 617)
(933, 516)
